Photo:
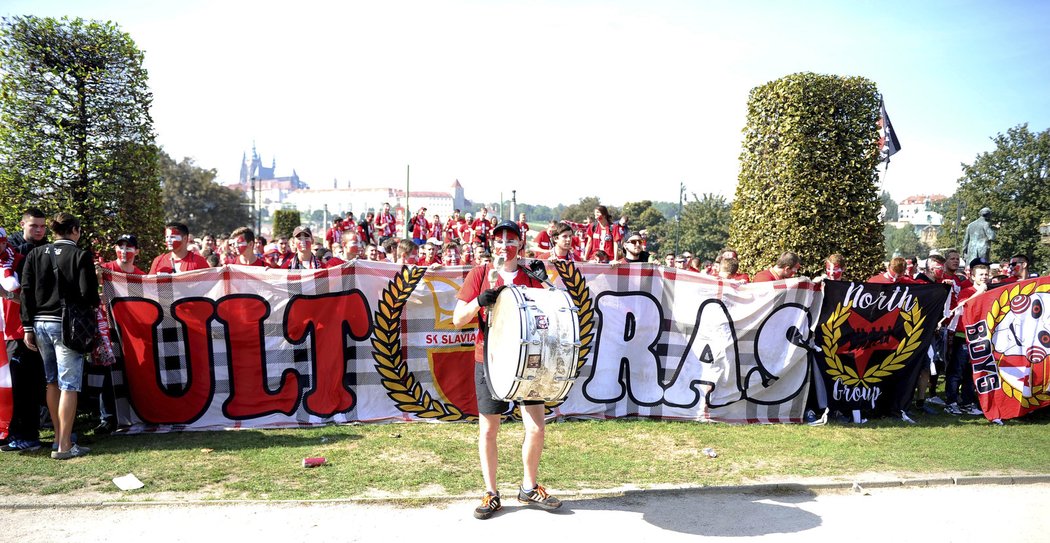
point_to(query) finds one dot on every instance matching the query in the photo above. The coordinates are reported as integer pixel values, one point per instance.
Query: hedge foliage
(808, 179)
(285, 221)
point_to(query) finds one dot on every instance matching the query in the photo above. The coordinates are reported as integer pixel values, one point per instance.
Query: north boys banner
(250, 347)
(872, 341)
(1008, 337)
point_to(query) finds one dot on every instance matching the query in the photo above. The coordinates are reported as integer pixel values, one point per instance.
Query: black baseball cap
(507, 225)
(300, 229)
(980, 261)
(128, 239)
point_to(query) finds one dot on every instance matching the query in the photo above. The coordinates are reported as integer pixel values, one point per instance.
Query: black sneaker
(489, 505)
(105, 428)
(538, 497)
(21, 445)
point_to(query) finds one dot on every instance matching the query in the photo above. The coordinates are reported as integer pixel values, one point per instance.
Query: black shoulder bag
(79, 322)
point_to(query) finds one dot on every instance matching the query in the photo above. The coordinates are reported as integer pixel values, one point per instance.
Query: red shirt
(385, 224)
(742, 277)
(466, 235)
(164, 263)
(115, 266)
(543, 241)
(764, 275)
(885, 279)
(334, 235)
(602, 238)
(420, 227)
(481, 228)
(477, 281)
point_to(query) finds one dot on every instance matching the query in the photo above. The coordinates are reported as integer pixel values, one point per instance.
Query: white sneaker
(935, 400)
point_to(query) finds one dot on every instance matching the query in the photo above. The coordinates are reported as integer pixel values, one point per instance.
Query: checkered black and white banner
(249, 347)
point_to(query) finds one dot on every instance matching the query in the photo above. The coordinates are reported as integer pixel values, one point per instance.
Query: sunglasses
(1016, 263)
(303, 236)
(633, 241)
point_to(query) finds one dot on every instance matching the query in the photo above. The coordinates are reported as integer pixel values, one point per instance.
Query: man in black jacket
(27, 370)
(51, 274)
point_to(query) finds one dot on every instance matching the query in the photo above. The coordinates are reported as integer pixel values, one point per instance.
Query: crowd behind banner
(238, 331)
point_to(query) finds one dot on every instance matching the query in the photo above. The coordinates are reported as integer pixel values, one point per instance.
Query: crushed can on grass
(710, 453)
(314, 462)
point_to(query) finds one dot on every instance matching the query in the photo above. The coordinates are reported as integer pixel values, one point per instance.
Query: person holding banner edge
(478, 293)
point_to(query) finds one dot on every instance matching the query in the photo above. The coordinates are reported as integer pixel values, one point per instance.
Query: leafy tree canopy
(890, 205)
(75, 129)
(903, 242)
(584, 209)
(192, 196)
(1014, 181)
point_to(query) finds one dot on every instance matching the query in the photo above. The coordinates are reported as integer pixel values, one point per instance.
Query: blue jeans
(959, 374)
(62, 365)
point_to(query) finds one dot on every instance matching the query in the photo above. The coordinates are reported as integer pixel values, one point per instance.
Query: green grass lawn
(416, 460)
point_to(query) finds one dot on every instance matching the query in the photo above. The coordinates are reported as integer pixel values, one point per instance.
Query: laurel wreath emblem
(581, 297)
(832, 332)
(999, 310)
(400, 383)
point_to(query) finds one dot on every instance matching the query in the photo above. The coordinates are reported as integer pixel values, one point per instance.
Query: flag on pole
(888, 142)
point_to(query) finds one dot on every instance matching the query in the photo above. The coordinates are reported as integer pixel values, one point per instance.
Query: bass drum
(532, 344)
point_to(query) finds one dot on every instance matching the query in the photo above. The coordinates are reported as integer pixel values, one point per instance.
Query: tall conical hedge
(808, 179)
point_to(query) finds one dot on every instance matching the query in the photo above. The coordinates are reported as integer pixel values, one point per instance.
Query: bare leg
(488, 431)
(53, 397)
(922, 384)
(67, 411)
(532, 445)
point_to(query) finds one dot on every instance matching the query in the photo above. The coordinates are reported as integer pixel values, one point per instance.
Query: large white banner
(249, 347)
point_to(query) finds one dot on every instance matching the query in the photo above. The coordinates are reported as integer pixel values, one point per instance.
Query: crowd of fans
(46, 372)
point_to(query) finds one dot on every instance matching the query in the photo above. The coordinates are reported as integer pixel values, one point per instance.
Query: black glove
(488, 297)
(538, 269)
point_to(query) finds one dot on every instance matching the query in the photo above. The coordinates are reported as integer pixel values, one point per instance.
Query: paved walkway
(941, 513)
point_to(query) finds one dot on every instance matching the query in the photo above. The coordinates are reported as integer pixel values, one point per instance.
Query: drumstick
(497, 263)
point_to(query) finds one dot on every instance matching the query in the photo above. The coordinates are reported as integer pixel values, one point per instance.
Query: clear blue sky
(565, 99)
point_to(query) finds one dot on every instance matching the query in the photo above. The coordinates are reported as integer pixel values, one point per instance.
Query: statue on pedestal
(979, 236)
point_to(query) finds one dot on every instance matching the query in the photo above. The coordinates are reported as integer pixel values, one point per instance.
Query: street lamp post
(678, 218)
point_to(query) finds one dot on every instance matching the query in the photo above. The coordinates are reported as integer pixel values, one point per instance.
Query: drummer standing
(480, 290)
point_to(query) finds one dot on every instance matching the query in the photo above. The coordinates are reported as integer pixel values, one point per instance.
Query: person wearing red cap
(478, 293)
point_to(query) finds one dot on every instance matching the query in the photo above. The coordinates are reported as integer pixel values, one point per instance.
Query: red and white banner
(1008, 338)
(250, 347)
(6, 397)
